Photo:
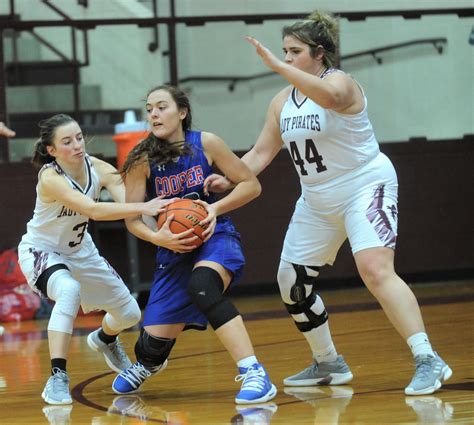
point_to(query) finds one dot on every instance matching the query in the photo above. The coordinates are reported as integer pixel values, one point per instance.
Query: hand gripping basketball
(187, 215)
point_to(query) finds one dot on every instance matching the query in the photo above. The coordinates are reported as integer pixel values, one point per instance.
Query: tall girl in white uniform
(57, 254)
(349, 190)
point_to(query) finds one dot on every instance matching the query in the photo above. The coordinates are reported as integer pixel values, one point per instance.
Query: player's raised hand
(5, 131)
(269, 59)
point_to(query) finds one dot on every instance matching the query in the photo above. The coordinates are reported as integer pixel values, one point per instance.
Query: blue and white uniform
(348, 187)
(169, 301)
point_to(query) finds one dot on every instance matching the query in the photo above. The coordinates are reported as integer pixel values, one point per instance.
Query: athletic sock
(108, 339)
(247, 362)
(58, 363)
(420, 344)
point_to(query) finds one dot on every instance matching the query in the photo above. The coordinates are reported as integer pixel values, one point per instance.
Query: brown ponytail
(319, 29)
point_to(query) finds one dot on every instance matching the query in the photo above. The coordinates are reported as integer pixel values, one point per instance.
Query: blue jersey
(169, 301)
(183, 178)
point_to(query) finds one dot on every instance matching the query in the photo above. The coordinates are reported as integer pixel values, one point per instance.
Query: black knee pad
(151, 350)
(304, 307)
(304, 303)
(205, 289)
(42, 281)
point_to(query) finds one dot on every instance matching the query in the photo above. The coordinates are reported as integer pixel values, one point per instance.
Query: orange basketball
(187, 215)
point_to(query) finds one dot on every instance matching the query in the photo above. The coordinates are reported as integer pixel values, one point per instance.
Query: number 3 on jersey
(81, 231)
(311, 156)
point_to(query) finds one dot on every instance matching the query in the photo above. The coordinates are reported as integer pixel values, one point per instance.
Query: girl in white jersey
(57, 254)
(349, 190)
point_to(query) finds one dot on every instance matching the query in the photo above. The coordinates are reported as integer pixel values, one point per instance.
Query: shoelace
(136, 374)
(60, 380)
(423, 368)
(117, 349)
(254, 379)
(312, 368)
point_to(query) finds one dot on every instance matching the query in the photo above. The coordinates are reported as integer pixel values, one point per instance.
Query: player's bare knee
(205, 289)
(297, 287)
(375, 275)
(152, 351)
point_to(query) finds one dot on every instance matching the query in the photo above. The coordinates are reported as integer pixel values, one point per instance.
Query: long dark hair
(48, 129)
(319, 29)
(159, 151)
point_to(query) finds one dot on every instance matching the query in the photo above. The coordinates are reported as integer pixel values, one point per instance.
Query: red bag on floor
(18, 303)
(17, 299)
(10, 272)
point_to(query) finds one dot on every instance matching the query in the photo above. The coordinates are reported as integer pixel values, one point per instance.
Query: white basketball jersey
(56, 227)
(325, 144)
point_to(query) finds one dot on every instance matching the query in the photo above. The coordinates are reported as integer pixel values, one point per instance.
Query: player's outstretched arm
(5, 131)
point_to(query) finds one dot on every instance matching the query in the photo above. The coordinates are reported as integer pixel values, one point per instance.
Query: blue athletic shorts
(169, 301)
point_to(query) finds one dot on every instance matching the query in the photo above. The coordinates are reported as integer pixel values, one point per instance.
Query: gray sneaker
(430, 373)
(324, 373)
(114, 353)
(56, 390)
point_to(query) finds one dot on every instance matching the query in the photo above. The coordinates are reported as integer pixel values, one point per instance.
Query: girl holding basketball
(189, 283)
(59, 258)
(349, 190)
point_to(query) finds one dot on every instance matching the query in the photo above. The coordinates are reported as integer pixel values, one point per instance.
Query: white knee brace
(124, 317)
(66, 292)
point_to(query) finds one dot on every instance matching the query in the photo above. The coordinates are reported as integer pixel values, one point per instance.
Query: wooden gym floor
(198, 386)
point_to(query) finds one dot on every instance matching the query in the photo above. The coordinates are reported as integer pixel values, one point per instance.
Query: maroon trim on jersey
(295, 100)
(379, 219)
(61, 172)
(328, 71)
(40, 262)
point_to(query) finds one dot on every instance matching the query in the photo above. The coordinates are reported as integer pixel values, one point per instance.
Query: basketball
(187, 215)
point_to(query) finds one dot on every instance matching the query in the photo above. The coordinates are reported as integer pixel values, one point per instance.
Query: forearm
(139, 229)
(256, 161)
(101, 211)
(323, 93)
(243, 193)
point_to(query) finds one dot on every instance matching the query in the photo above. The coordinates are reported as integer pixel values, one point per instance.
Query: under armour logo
(161, 167)
(161, 266)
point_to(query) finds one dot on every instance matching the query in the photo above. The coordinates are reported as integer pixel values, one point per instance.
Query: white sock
(420, 344)
(247, 362)
(328, 355)
(321, 343)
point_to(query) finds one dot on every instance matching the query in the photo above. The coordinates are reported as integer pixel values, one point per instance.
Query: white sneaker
(430, 373)
(56, 390)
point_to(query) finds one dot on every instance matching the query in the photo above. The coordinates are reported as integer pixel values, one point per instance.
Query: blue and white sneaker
(130, 380)
(256, 385)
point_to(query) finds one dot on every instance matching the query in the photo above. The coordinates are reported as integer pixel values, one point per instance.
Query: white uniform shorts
(360, 205)
(101, 287)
